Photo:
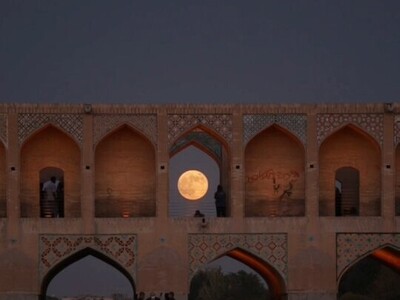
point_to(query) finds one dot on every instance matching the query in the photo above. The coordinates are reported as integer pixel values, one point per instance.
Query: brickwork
(278, 165)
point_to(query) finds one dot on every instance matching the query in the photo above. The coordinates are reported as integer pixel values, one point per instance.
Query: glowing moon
(192, 185)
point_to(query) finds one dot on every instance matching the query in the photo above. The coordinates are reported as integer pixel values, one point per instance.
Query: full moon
(192, 185)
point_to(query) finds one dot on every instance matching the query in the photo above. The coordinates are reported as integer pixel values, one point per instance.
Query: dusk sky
(209, 51)
(198, 52)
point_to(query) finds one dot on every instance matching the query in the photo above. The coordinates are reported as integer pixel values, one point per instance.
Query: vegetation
(213, 284)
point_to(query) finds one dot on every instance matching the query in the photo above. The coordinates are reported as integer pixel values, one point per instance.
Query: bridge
(311, 191)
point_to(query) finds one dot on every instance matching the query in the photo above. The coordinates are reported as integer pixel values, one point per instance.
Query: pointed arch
(272, 277)
(372, 269)
(49, 147)
(350, 147)
(76, 257)
(274, 170)
(202, 144)
(125, 174)
(3, 180)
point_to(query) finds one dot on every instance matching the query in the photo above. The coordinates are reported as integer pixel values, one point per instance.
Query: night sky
(209, 51)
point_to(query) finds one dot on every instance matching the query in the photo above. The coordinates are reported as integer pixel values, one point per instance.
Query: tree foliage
(213, 284)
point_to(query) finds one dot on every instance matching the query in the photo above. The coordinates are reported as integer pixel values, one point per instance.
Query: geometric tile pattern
(396, 130)
(370, 123)
(70, 123)
(144, 123)
(3, 128)
(55, 248)
(294, 123)
(219, 123)
(352, 246)
(272, 248)
(201, 138)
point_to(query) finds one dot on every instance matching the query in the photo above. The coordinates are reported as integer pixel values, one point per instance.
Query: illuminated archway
(274, 182)
(350, 147)
(50, 147)
(125, 180)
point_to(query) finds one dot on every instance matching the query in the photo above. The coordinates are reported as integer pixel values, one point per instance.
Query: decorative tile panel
(295, 123)
(370, 123)
(272, 248)
(396, 130)
(220, 123)
(352, 246)
(70, 123)
(55, 248)
(3, 128)
(144, 123)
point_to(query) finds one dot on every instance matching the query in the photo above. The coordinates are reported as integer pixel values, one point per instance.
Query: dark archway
(347, 192)
(274, 280)
(376, 275)
(51, 206)
(76, 257)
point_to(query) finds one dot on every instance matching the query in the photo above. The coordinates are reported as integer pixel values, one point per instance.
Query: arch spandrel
(53, 249)
(294, 123)
(204, 248)
(71, 124)
(179, 124)
(146, 124)
(372, 124)
(351, 247)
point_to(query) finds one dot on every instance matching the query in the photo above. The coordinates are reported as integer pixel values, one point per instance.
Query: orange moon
(192, 185)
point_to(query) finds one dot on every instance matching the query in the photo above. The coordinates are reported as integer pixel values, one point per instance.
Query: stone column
(13, 176)
(311, 168)
(87, 177)
(388, 171)
(162, 158)
(237, 200)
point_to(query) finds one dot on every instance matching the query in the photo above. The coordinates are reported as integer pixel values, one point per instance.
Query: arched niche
(125, 179)
(79, 257)
(49, 148)
(273, 279)
(376, 275)
(3, 182)
(350, 147)
(198, 149)
(274, 176)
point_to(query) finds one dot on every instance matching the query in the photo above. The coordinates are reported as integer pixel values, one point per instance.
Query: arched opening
(350, 159)
(347, 191)
(3, 179)
(125, 179)
(50, 149)
(203, 151)
(375, 276)
(51, 193)
(243, 282)
(88, 273)
(275, 184)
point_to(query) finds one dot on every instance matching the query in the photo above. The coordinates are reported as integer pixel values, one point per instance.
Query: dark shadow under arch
(76, 257)
(369, 268)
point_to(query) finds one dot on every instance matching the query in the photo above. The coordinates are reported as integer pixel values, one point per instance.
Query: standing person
(220, 201)
(141, 296)
(171, 296)
(50, 195)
